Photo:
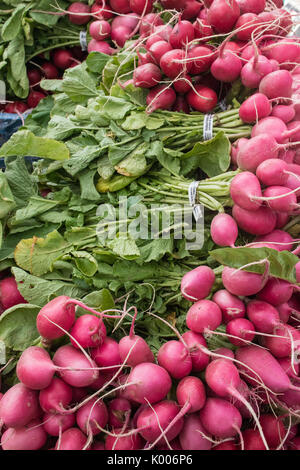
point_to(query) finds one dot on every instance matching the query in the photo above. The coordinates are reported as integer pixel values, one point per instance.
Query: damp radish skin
(18, 406)
(241, 328)
(200, 59)
(173, 63)
(100, 30)
(254, 108)
(150, 382)
(191, 390)
(203, 315)
(273, 126)
(174, 357)
(141, 6)
(29, 437)
(245, 189)
(276, 291)
(158, 49)
(197, 283)
(241, 283)
(35, 368)
(107, 354)
(273, 429)
(231, 306)
(182, 34)
(284, 112)
(91, 414)
(146, 76)
(259, 222)
(196, 344)
(227, 67)
(79, 13)
(192, 436)
(162, 413)
(283, 346)
(264, 316)
(58, 311)
(220, 418)
(252, 6)
(68, 356)
(246, 24)
(224, 230)
(252, 440)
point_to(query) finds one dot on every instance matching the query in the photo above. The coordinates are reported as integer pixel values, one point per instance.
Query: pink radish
(242, 283)
(196, 343)
(9, 293)
(246, 25)
(160, 97)
(223, 14)
(121, 442)
(276, 291)
(101, 12)
(272, 172)
(285, 344)
(93, 413)
(146, 76)
(197, 284)
(284, 112)
(280, 198)
(56, 397)
(191, 390)
(56, 311)
(79, 13)
(18, 406)
(35, 368)
(240, 328)
(89, 331)
(202, 29)
(120, 6)
(203, 315)
(259, 222)
(174, 357)
(141, 6)
(193, 434)
(263, 315)
(107, 354)
(227, 67)
(254, 108)
(280, 237)
(148, 382)
(71, 439)
(245, 191)
(54, 424)
(231, 306)
(200, 59)
(252, 6)
(273, 429)
(119, 410)
(252, 440)
(220, 418)
(277, 84)
(158, 49)
(182, 34)
(257, 150)
(253, 72)
(100, 46)
(149, 23)
(82, 371)
(173, 63)
(100, 30)
(202, 99)
(29, 437)
(224, 230)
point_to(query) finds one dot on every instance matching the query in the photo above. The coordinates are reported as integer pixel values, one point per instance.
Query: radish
(34, 76)
(130, 442)
(193, 435)
(200, 59)
(57, 311)
(191, 390)
(29, 437)
(174, 357)
(280, 198)
(173, 4)
(160, 97)
(224, 230)
(101, 12)
(183, 84)
(173, 63)
(286, 52)
(272, 126)
(56, 397)
(231, 306)
(239, 282)
(141, 7)
(256, 150)
(103, 46)
(259, 222)
(133, 348)
(98, 445)
(119, 410)
(54, 424)
(227, 67)
(191, 9)
(158, 49)
(227, 445)
(197, 284)
(277, 84)
(79, 13)
(220, 418)
(249, 52)
(252, 6)
(149, 23)
(253, 72)
(50, 71)
(202, 29)
(181, 105)
(241, 328)
(120, 6)
(245, 191)
(17, 107)
(224, 352)
(203, 315)
(272, 172)
(175, 445)
(62, 58)
(9, 293)
(148, 382)
(235, 148)
(246, 25)
(35, 368)
(91, 415)
(284, 112)
(273, 429)
(263, 315)
(254, 108)
(223, 14)
(71, 439)
(202, 99)
(82, 371)
(107, 354)
(252, 440)
(196, 343)
(146, 76)
(34, 98)
(282, 346)
(18, 406)
(182, 34)
(100, 30)
(89, 331)
(153, 421)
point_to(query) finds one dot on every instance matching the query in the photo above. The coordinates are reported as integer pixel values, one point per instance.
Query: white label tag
(83, 40)
(197, 208)
(208, 125)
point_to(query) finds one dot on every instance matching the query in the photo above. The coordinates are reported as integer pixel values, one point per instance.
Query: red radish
(202, 99)
(100, 30)
(220, 418)
(245, 191)
(273, 127)
(183, 84)
(284, 311)
(146, 76)
(227, 445)
(252, 6)
(241, 328)
(246, 25)
(89, 331)
(35, 368)
(130, 442)
(34, 98)
(253, 72)
(149, 23)
(82, 371)
(227, 67)
(294, 444)
(248, 52)
(259, 222)
(144, 58)
(148, 382)
(93, 413)
(223, 352)
(16, 107)
(152, 421)
(276, 292)
(54, 424)
(100, 46)
(141, 7)
(56, 397)
(272, 172)
(79, 13)
(62, 58)
(30, 437)
(284, 112)
(57, 311)
(254, 108)
(163, 31)
(273, 429)
(200, 59)
(203, 315)
(193, 434)
(173, 4)
(107, 354)
(173, 63)
(182, 34)
(256, 150)
(282, 346)
(285, 363)
(134, 350)
(286, 52)
(224, 230)
(191, 390)
(158, 49)
(223, 14)
(181, 105)
(130, 21)
(263, 315)
(160, 97)
(174, 357)
(242, 283)
(252, 440)
(101, 12)
(120, 6)
(50, 71)
(191, 9)
(286, 203)
(277, 84)
(18, 406)
(34, 76)
(197, 284)
(71, 439)
(202, 29)
(231, 306)
(196, 343)
(119, 410)
(235, 148)
(175, 445)
(9, 293)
